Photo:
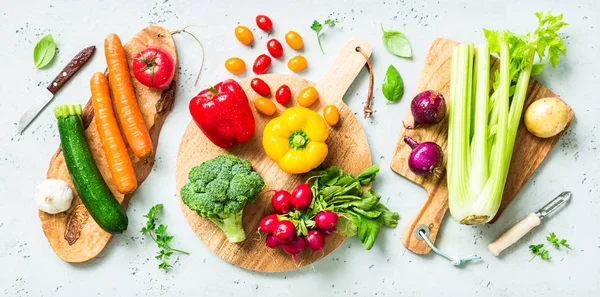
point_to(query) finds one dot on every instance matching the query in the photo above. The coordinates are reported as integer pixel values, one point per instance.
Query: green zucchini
(91, 187)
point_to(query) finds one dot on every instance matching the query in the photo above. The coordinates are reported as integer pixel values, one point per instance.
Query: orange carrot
(128, 111)
(115, 150)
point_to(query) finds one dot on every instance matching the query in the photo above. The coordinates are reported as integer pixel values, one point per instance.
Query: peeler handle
(514, 234)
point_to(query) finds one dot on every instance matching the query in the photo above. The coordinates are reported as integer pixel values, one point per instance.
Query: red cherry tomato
(275, 49)
(283, 95)
(262, 64)
(154, 68)
(260, 86)
(264, 22)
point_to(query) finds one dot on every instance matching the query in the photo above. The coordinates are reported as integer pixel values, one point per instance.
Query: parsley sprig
(557, 242)
(540, 249)
(159, 235)
(317, 27)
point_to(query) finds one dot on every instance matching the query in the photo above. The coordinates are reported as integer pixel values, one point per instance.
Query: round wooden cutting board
(348, 149)
(74, 235)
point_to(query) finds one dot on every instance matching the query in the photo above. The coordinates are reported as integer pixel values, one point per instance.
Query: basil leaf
(44, 51)
(393, 86)
(396, 43)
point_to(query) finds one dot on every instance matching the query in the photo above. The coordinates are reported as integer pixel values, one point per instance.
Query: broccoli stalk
(231, 224)
(219, 190)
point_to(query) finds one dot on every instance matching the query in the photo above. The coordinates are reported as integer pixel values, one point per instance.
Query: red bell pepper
(223, 114)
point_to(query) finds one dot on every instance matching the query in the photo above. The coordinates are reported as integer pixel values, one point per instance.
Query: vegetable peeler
(532, 220)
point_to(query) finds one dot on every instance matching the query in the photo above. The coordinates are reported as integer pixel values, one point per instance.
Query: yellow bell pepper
(296, 140)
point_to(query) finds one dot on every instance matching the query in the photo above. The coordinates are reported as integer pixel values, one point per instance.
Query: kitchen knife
(46, 96)
(532, 220)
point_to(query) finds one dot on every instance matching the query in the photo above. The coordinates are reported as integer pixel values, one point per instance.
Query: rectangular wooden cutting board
(528, 154)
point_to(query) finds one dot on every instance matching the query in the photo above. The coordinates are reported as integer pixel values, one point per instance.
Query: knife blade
(59, 81)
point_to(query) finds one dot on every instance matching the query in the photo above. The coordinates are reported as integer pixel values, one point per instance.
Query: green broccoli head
(219, 189)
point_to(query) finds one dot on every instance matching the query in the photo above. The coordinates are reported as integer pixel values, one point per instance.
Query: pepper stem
(213, 91)
(298, 140)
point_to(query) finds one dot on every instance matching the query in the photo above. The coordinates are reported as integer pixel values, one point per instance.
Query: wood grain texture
(348, 145)
(74, 235)
(529, 151)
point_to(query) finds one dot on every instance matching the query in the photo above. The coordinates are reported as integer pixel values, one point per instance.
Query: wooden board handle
(344, 70)
(431, 215)
(514, 234)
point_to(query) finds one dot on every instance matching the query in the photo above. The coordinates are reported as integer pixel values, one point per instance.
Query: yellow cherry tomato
(297, 63)
(243, 34)
(235, 65)
(308, 97)
(331, 115)
(265, 106)
(294, 40)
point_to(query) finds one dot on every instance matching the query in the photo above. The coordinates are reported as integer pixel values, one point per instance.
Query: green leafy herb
(396, 43)
(317, 27)
(556, 242)
(539, 250)
(393, 86)
(44, 51)
(159, 235)
(361, 213)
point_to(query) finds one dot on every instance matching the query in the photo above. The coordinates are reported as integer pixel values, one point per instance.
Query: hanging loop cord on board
(184, 30)
(367, 109)
(423, 231)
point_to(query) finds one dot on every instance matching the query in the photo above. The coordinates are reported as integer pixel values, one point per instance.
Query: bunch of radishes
(282, 226)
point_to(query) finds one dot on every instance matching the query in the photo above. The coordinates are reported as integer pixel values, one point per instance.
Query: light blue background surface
(127, 267)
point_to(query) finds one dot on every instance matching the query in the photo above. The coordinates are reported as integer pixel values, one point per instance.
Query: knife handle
(74, 65)
(514, 234)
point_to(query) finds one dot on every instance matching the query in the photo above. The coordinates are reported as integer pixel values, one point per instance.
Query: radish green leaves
(44, 51)
(396, 43)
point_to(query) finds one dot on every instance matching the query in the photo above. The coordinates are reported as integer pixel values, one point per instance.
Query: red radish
(328, 232)
(294, 247)
(283, 95)
(264, 22)
(326, 220)
(425, 158)
(282, 201)
(260, 86)
(315, 240)
(284, 231)
(267, 223)
(427, 108)
(271, 242)
(301, 197)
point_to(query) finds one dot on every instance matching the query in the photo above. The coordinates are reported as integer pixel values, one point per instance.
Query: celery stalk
(481, 128)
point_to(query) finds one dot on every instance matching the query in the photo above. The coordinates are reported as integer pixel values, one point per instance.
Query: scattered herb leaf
(159, 235)
(44, 51)
(396, 43)
(539, 250)
(556, 242)
(393, 86)
(317, 27)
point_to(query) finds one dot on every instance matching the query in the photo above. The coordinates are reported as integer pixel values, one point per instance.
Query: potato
(547, 117)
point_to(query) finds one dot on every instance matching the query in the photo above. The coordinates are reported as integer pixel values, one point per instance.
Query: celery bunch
(482, 127)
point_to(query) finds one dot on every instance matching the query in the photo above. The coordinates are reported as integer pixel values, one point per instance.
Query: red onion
(425, 158)
(427, 108)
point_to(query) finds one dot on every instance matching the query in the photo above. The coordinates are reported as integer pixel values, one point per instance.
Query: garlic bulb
(53, 196)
